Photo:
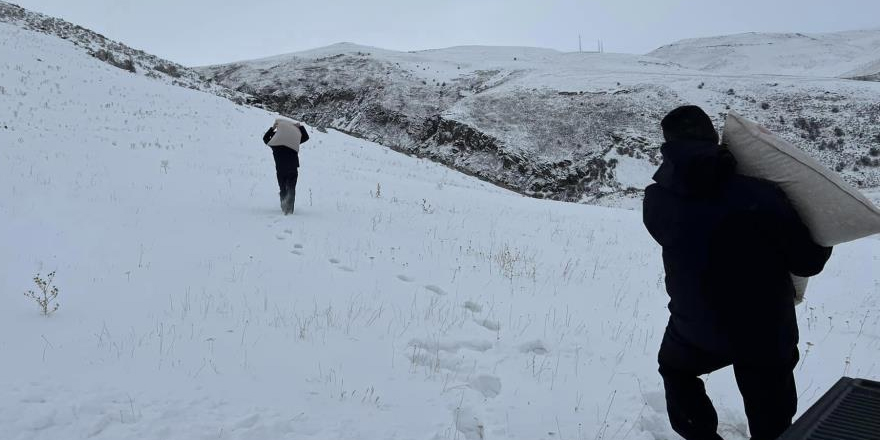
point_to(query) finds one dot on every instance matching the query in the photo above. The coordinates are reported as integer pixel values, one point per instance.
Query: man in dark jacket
(285, 137)
(730, 244)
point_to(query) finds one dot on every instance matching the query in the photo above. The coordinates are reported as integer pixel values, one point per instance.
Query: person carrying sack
(285, 137)
(730, 244)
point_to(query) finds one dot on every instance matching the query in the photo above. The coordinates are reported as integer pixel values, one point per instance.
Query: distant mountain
(112, 52)
(852, 54)
(580, 127)
(568, 126)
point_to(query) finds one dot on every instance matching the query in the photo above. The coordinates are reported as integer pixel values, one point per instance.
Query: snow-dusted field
(839, 54)
(401, 301)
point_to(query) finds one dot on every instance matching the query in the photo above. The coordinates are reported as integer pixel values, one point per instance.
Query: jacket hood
(694, 167)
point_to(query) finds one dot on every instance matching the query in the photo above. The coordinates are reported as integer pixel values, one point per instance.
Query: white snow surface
(402, 300)
(839, 54)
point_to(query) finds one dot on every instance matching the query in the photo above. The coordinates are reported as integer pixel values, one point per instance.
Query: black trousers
(287, 190)
(767, 388)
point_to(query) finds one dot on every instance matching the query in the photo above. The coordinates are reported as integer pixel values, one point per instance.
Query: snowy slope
(112, 52)
(841, 54)
(402, 300)
(552, 124)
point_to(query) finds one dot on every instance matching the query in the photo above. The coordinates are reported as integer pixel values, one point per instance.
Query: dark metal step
(850, 410)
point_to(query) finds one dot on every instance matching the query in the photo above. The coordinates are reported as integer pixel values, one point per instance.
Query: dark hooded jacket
(286, 159)
(730, 243)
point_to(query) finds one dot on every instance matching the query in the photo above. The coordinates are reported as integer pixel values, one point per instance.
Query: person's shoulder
(758, 189)
(754, 183)
(654, 190)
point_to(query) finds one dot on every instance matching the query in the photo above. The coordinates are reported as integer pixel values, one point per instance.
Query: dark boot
(288, 192)
(287, 201)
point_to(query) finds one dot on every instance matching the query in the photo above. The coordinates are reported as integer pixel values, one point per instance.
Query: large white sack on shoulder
(834, 211)
(287, 134)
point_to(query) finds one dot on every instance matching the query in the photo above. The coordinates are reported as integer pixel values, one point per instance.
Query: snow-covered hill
(568, 126)
(852, 54)
(403, 300)
(112, 52)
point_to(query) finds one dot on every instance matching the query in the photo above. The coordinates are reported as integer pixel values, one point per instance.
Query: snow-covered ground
(838, 54)
(401, 301)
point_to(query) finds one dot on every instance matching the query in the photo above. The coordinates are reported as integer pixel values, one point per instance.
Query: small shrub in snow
(827, 145)
(838, 131)
(835, 110)
(108, 57)
(868, 162)
(378, 193)
(731, 92)
(701, 85)
(46, 295)
(810, 126)
(169, 69)
(426, 207)
(128, 65)
(874, 151)
(765, 105)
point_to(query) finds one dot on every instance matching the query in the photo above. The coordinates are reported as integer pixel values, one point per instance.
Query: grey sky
(197, 32)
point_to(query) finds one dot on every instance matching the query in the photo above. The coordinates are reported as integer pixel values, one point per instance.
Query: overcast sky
(199, 32)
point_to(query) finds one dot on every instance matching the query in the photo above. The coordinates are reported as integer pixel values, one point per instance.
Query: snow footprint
(473, 307)
(98, 427)
(450, 347)
(247, 422)
(489, 386)
(535, 347)
(467, 423)
(287, 233)
(436, 289)
(296, 252)
(488, 324)
(336, 261)
(435, 362)
(405, 278)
